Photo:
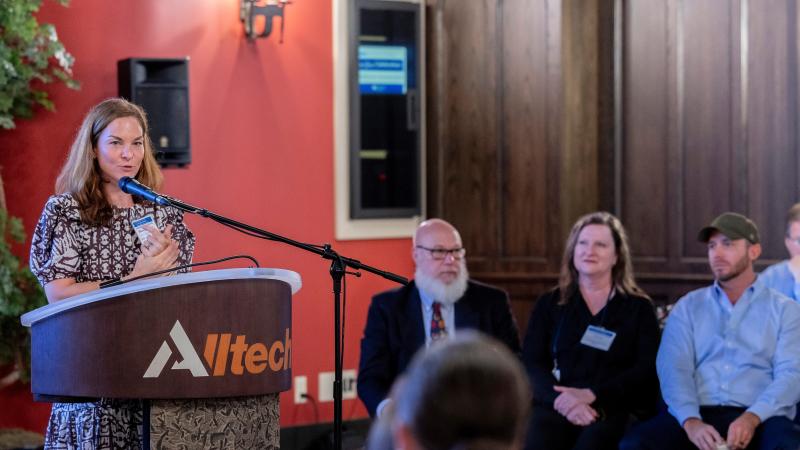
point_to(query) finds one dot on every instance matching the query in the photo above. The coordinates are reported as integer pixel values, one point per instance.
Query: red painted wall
(262, 149)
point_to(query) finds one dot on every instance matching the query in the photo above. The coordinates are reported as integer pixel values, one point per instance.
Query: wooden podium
(212, 350)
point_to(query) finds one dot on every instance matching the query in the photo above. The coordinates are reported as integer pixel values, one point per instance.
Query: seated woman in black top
(591, 344)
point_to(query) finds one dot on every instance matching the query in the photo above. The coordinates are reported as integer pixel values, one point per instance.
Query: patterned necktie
(438, 328)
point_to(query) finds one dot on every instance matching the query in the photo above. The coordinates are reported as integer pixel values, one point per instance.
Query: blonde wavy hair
(621, 273)
(81, 174)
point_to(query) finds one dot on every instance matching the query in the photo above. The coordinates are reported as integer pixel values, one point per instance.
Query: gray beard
(447, 294)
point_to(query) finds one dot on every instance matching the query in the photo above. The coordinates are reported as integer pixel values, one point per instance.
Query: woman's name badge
(139, 224)
(598, 337)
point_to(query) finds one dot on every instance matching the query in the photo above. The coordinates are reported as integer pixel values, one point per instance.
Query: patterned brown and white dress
(65, 247)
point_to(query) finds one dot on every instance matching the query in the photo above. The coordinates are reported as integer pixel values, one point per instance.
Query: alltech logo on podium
(245, 358)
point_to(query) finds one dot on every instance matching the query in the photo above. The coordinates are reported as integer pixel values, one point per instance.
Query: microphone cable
(118, 281)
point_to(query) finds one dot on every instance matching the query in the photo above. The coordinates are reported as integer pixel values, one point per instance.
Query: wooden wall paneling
(524, 290)
(667, 288)
(495, 130)
(537, 245)
(528, 191)
(468, 96)
(770, 119)
(646, 169)
(676, 210)
(520, 96)
(580, 135)
(580, 126)
(737, 38)
(434, 138)
(607, 17)
(708, 164)
(556, 231)
(726, 73)
(664, 94)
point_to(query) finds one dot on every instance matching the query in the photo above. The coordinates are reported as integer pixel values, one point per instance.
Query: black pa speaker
(161, 88)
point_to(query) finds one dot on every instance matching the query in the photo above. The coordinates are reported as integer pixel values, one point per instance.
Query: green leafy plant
(30, 55)
(20, 292)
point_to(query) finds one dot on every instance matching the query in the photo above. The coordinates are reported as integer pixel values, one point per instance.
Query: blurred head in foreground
(467, 392)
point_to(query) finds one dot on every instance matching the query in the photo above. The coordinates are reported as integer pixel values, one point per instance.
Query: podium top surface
(288, 276)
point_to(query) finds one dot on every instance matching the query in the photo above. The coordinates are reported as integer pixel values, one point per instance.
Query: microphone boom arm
(326, 251)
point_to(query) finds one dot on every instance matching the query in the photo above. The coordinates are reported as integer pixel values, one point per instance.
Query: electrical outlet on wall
(326, 385)
(300, 389)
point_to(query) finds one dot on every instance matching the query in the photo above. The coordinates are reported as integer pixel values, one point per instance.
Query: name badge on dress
(598, 337)
(139, 227)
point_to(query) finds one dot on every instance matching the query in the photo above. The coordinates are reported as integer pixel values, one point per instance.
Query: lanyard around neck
(557, 334)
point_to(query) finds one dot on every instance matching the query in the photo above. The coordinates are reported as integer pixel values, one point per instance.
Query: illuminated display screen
(382, 69)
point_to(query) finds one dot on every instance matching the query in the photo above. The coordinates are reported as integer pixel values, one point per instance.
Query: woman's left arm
(183, 236)
(639, 381)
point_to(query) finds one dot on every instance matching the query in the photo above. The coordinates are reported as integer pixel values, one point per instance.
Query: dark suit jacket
(394, 332)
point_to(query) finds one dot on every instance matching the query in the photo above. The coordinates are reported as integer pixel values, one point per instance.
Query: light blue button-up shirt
(448, 314)
(747, 355)
(779, 277)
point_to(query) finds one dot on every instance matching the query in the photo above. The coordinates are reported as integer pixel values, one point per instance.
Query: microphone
(133, 187)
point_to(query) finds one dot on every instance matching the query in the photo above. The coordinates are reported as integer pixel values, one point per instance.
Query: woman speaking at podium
(86, 235)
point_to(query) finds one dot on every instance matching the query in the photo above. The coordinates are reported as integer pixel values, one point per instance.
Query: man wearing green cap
(729, 360)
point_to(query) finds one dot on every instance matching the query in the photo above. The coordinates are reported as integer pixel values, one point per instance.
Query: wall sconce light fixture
(251, 10)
